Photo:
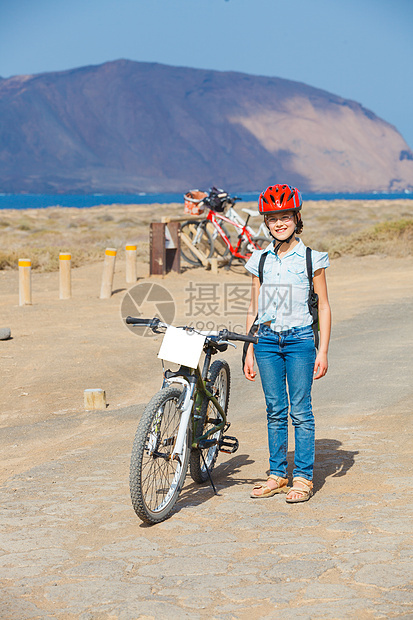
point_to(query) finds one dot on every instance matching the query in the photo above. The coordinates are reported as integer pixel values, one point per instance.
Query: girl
(286, 353)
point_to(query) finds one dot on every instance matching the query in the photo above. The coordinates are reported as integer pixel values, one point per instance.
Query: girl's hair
(299, 227)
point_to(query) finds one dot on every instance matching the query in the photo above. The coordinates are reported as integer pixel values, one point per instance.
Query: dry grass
(340, 227)
(40, 234)
(359, 228)
(387, 238)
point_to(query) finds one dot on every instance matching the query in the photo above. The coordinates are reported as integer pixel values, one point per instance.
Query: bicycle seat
(251, 213)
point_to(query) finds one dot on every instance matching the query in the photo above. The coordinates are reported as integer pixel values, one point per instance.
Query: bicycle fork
(186, 408)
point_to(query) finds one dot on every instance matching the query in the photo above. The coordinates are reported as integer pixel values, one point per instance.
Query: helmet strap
(277, 245)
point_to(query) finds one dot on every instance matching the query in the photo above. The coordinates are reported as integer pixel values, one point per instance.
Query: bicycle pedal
(228, 444)
(207, 443)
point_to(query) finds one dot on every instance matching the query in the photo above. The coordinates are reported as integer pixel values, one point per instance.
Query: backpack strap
(309, 268)
(312, 297)
(263, 258)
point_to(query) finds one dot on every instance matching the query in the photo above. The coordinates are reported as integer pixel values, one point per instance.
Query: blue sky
(359, 49)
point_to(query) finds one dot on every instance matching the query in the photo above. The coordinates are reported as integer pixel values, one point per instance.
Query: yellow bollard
(130, 264)
(25, 282)
(108, 273)
(65, 283)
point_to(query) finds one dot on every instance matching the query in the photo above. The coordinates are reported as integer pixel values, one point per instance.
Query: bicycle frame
(194, 382)
(236, 217)
(201, 393)
(244, 234)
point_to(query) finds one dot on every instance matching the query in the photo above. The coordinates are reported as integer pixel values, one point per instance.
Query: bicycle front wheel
(155, 480)
(200, 238)
(220, 247)
(219, 385)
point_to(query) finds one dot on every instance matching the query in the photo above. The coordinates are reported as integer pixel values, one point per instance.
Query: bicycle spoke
(156, 479)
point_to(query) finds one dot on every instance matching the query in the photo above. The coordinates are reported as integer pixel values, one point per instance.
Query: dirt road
(72, 546)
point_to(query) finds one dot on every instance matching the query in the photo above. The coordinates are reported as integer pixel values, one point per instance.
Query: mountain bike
(228, 205)
(184, 423)
(234, 216)
(212, 236)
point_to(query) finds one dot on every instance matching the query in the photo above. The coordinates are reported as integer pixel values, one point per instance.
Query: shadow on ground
(331, 460)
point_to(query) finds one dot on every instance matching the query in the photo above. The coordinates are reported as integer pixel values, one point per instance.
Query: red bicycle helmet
(278, 198)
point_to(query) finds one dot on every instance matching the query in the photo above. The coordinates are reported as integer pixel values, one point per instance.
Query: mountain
(125, 127)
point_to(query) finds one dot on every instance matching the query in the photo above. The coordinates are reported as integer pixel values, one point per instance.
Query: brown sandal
(267, 491)
(305, 494)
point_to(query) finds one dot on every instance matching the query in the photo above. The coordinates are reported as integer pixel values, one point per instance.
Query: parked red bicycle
(211, 235)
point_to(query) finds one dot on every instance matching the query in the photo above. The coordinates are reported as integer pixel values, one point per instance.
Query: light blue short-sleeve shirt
(283, 298)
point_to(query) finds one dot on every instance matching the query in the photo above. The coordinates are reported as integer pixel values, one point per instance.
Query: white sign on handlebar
(180, 346)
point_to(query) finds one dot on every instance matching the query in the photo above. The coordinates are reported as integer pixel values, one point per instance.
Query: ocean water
(41, 201)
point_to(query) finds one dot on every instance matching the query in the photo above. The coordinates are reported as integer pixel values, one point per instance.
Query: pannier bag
(194, 202)
(217, 199)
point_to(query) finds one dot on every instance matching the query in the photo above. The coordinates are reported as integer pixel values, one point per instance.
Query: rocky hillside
(127, 127)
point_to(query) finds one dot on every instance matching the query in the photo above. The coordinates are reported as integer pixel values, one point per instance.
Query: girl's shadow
(330, 460)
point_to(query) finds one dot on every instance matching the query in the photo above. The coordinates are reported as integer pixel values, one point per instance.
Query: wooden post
(25, 282)
(157, 249)
(108, 273)
(65, 282)
(214, 265)
(130, 264)
(94, 399)
(173, 247)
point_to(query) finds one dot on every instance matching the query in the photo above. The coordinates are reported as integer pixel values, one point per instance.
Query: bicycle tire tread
(137, 496)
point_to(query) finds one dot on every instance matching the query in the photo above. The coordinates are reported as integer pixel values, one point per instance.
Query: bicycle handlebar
(152, 323)
(234, 336)
(224, 334)
(209, 200)
(130, 320)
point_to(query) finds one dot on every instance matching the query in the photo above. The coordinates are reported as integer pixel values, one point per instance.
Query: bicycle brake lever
(157, 325)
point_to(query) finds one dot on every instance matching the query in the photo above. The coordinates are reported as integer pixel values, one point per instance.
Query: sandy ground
(59, 348)
(69, 530)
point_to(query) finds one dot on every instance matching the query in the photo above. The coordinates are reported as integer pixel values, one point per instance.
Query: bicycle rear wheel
(261, 242)
(155, 480)
(258, 243)
(201, 239)
(219, 385)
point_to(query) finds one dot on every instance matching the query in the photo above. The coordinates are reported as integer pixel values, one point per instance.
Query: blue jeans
(287, 358)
